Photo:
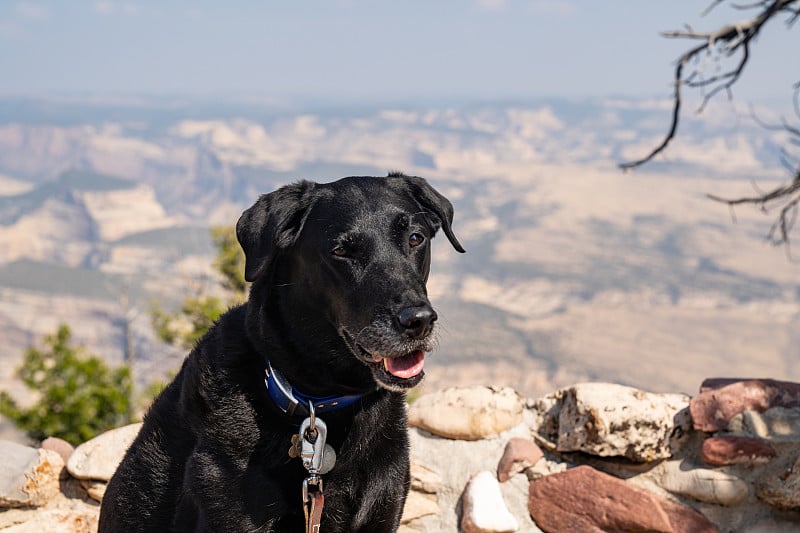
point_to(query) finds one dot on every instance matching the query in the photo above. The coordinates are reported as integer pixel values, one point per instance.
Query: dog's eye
(415, 239)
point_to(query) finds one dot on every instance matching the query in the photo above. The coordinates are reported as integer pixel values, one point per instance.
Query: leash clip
(311, 485)
(313, 433)
(313, 452)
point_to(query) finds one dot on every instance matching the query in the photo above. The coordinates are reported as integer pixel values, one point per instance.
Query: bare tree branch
(724, 43)
(788, 199)
(728, 40)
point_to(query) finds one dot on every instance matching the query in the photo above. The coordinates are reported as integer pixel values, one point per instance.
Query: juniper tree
(79, 395)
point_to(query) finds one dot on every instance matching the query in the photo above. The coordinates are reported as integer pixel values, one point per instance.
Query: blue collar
(294, 403)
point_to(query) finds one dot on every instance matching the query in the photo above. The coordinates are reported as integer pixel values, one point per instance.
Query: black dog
(338, 317)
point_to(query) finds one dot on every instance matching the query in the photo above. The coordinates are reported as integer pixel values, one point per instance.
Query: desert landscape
(575, 271)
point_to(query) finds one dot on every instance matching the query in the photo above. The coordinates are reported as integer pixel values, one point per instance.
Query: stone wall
(591, 457)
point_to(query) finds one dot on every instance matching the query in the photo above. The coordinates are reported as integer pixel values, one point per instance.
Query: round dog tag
(328, 460)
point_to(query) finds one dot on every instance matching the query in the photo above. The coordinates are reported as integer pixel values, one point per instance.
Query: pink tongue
(407, 366)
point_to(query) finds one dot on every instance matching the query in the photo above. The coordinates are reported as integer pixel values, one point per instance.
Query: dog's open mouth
(392, 371)
(403, 371)
(403, 367)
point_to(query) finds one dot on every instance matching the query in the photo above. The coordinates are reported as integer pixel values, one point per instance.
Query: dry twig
(734, 41)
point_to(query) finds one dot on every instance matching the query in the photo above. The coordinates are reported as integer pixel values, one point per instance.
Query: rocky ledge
(590, 457)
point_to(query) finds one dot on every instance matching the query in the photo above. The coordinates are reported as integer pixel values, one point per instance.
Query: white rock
(467, 413)
(99, 457)
(703, 484)
(610, 420)
(483, 508)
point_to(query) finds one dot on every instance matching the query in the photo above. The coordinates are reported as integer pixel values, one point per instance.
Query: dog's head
(347, 262)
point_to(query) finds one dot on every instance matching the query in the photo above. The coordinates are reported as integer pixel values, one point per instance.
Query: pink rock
(584, 499)
(518, 455)
(722, 399)
(732, 450)
(60, 446)
(717, 383)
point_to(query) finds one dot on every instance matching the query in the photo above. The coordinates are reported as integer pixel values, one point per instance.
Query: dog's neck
(281, 333)
(295, 403)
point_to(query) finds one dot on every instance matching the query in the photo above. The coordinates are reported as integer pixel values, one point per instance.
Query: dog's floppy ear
(271, 224)
(437, 206)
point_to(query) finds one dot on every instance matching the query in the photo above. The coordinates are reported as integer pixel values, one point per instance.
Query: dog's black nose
(416, 321)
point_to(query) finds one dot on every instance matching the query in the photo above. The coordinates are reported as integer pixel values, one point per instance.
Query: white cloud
(31, 11)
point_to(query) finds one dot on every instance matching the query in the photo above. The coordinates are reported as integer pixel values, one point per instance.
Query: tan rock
(424, 479)
(417, 506)
(703, 484)
(467, 413)
(545, 468)
(95, 489)
(58, 521)
(99, 457)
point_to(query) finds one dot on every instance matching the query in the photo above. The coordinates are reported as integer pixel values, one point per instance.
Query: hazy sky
(365, 50)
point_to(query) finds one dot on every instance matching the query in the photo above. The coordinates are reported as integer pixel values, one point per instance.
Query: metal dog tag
(328, 460)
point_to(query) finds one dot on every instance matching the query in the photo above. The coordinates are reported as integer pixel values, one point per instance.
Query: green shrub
(79, 395)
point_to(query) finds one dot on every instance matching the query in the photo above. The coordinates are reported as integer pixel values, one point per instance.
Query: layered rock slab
(584, 499)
